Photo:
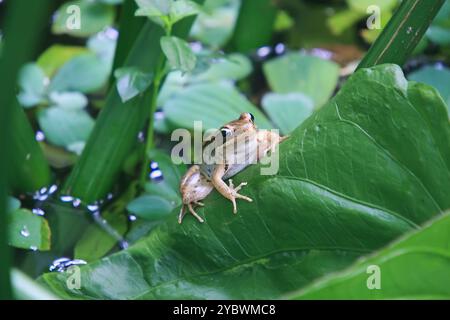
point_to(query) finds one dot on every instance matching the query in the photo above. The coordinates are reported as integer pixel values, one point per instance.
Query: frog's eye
(252, 117)
(226, 132)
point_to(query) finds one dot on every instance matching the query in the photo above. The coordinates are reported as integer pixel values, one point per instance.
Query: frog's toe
(195, 214)
(182, 213)
(191, 210)
(198, 203)
(240, 196)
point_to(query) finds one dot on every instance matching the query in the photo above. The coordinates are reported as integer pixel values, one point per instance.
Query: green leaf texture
(370, 165)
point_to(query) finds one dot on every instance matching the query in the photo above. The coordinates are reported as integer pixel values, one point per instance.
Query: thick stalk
(402, 33)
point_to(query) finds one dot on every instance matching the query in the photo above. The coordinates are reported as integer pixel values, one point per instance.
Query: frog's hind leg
(191, 210)
(182, 213)
(229, 192)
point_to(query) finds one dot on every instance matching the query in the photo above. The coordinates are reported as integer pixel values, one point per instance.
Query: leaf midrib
(249, 262)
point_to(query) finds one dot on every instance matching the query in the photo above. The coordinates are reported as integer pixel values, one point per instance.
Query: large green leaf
(367, 167)
(416, 267)
(212, 103)
(296, 72)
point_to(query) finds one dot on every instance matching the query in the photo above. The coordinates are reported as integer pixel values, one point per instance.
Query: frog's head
(245, 124)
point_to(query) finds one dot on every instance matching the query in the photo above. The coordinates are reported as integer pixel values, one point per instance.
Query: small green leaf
(436, 76)
(56, 56)
(343, 20)
(13, 204)
(178, 53)
(150, 207)
(180, 9)
(64, 127)
(155, 7)
(215, 24)
(166, 12)
(94, 17)
(85, 73)
(131, 82)
(32, 83)
(283, 21)
(295, 72)
(439, 30)
(234, 66)
(68, 100)
(287, 111)
(164, 190)
(156, 10)
(362, 5)
(28, 231)
(111, 1)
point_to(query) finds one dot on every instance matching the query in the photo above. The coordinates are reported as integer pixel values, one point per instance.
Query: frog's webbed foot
(235, 195)
(191, 210)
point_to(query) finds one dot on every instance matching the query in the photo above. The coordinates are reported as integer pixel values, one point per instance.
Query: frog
(198, 182)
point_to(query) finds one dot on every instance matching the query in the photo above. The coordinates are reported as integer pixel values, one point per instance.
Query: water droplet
(33, 248)
(25, 232)
(280, 48)
(154, 175)
(38, 211)
(159, 115)
(28, 156)
(140, 136)
(154, 165)
(263, 51)
(76, 203)
(123, 244)
(111, 33)
(52, 189)
(40, 136)
(196, 46)
(93, 207)
(409, 30)
(322, 53)
(66, 198)
(132, 217)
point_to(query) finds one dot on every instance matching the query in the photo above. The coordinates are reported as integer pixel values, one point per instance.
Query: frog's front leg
(229, 192)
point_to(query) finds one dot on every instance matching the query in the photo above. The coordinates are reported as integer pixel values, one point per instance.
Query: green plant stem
(129, 28)
(116, 129)
(159, 74)
(254, 26)
(402, 33)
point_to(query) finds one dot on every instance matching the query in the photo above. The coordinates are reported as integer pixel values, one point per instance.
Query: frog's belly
(233, 169)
